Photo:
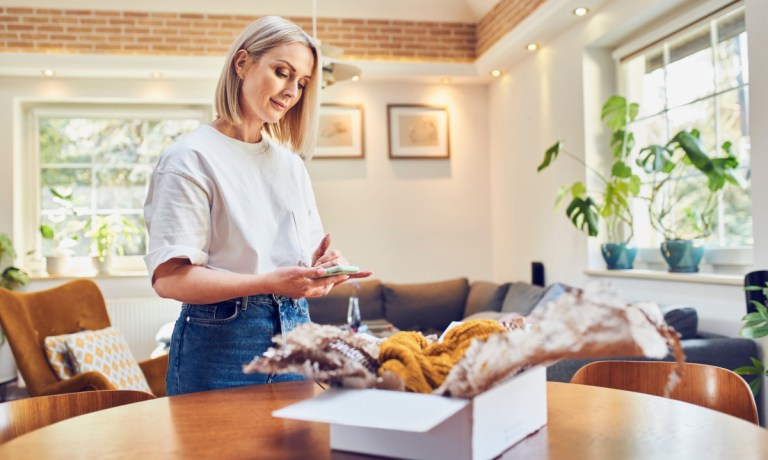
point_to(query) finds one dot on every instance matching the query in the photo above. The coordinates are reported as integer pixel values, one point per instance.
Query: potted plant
(612, 202)
(683, 218)
(63, 232)
(105, 232)
(11, 277)
(755, 326)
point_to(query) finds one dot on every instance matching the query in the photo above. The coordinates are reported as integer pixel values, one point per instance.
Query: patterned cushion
(58, 357)
(105, 351)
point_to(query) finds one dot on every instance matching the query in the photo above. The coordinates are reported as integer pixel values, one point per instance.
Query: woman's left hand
(325, 257)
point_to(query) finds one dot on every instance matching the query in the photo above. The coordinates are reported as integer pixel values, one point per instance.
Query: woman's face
(274, 83)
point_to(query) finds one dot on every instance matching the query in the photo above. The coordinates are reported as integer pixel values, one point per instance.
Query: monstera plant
(618, 187)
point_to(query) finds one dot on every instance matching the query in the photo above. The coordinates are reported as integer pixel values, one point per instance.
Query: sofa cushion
(332, 309)
(684, 320)
(485, 296)
(425, 306)
(551, 293)
(521, 298)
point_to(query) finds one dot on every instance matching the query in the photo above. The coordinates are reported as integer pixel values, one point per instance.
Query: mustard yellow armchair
(27, 318)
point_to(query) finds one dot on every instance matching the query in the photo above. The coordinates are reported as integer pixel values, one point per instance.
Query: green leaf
(616, 113)
(561, 194)
(620, 169)
(47, 232)
(758, 364)
(746, 370)
(584, 215)
(578, 189)
(550, 155)
(754, 332)
(657, 158)
(633, 185)
(755, 384)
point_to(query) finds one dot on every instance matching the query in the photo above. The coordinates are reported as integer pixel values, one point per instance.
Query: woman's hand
(298, 282)
(325, 257)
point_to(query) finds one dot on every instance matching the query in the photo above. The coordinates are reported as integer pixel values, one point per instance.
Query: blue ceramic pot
(683, 256)
(619, 256)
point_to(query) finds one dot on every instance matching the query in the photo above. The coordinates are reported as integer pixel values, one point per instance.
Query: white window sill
(705, 278)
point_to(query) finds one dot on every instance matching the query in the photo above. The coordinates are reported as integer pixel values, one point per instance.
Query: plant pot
(619, 256)
(102, 265)
(683, 256)
(57, 265)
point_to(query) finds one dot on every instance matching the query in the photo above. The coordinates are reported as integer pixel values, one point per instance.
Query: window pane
(690, 74)
(737, 217)
(59, 142)
(731, 64)
(121, 188)
(65, 181)
(734, 126)
(699, 115)
(653, 93)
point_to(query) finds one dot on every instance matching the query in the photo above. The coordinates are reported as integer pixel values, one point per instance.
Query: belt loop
(243, 303)
(274, 297)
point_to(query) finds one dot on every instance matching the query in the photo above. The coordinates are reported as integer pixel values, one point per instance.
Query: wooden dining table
(584, 422)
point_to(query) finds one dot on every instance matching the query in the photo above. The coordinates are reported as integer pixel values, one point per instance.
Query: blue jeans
(211, 343)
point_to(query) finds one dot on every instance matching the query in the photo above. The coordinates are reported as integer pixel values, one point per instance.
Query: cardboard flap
(388, 410)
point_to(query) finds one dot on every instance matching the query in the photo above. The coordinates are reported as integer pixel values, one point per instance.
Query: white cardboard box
(423, 426)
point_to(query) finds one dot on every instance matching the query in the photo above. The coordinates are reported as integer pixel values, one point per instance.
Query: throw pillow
(58, 356)
(425, 306)
(521, 298)
(485, 296)
(684, 320)
(106, 351)
(551, 293)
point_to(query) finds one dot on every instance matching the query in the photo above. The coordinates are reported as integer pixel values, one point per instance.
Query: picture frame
(418, 131)
(340, 132)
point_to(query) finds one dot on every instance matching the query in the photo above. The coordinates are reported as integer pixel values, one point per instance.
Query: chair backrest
(708, 386)
(24, 415)
(27, 318)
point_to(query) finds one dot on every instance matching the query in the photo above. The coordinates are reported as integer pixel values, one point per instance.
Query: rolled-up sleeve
(178, 217)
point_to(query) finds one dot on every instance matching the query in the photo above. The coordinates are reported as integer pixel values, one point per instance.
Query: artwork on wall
(340, 132)
(418, 131)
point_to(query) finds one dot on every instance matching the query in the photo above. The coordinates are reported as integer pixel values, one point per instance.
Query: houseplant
(11, 278)
(63, 232)
(676, 170)
(612, 202)
(105, 233)
(755, 327)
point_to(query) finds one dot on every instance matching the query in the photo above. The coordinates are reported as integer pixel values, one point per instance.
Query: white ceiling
(420, 10)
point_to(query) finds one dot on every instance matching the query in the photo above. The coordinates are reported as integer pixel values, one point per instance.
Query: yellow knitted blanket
(423, 366)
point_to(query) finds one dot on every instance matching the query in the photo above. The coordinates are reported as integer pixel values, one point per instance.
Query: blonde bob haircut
(297, 130)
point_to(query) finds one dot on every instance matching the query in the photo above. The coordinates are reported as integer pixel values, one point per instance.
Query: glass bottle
(353, 314)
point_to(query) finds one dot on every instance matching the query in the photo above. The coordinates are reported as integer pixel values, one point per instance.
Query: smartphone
(340, 270)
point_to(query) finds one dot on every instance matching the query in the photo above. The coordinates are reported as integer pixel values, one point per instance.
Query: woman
(231, 215)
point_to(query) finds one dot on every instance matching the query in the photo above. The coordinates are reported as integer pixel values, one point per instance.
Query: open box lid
(375, 409)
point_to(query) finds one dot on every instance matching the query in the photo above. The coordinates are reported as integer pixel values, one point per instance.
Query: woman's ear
(241, 58)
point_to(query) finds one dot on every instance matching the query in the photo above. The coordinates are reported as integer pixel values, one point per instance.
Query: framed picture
(340, 132)
(418, 131)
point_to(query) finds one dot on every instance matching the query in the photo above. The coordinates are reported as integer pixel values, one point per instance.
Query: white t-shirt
(230, 205)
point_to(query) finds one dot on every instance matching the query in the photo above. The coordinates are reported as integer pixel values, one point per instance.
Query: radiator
(139, 319)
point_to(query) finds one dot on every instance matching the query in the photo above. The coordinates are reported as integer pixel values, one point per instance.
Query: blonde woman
(234, 232)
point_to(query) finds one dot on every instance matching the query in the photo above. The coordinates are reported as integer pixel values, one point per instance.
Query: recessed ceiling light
(48, 72)
(356, 78)
(446, 80)
(532, 46)
(495, 73)
(580, 11)
(156, 75)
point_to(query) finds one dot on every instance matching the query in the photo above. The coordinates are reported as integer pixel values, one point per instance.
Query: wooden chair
(24, 415)
(27, 318)
(708, 386)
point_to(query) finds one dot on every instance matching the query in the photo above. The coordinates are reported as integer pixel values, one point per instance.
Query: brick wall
(504, 17)
(36, 30)
(69, 31)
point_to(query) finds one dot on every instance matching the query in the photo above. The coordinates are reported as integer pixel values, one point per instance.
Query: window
(92, 165)
(698, 78)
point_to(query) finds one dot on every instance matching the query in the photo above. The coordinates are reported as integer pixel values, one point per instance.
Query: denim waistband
(266, 299)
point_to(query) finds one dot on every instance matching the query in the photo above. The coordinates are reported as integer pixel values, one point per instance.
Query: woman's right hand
(298, 282)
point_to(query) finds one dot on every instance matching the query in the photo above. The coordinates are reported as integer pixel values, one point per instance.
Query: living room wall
(556, 94)
(407, 220)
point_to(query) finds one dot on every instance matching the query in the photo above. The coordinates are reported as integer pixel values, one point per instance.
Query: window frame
(27, 203)
(717, 259)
